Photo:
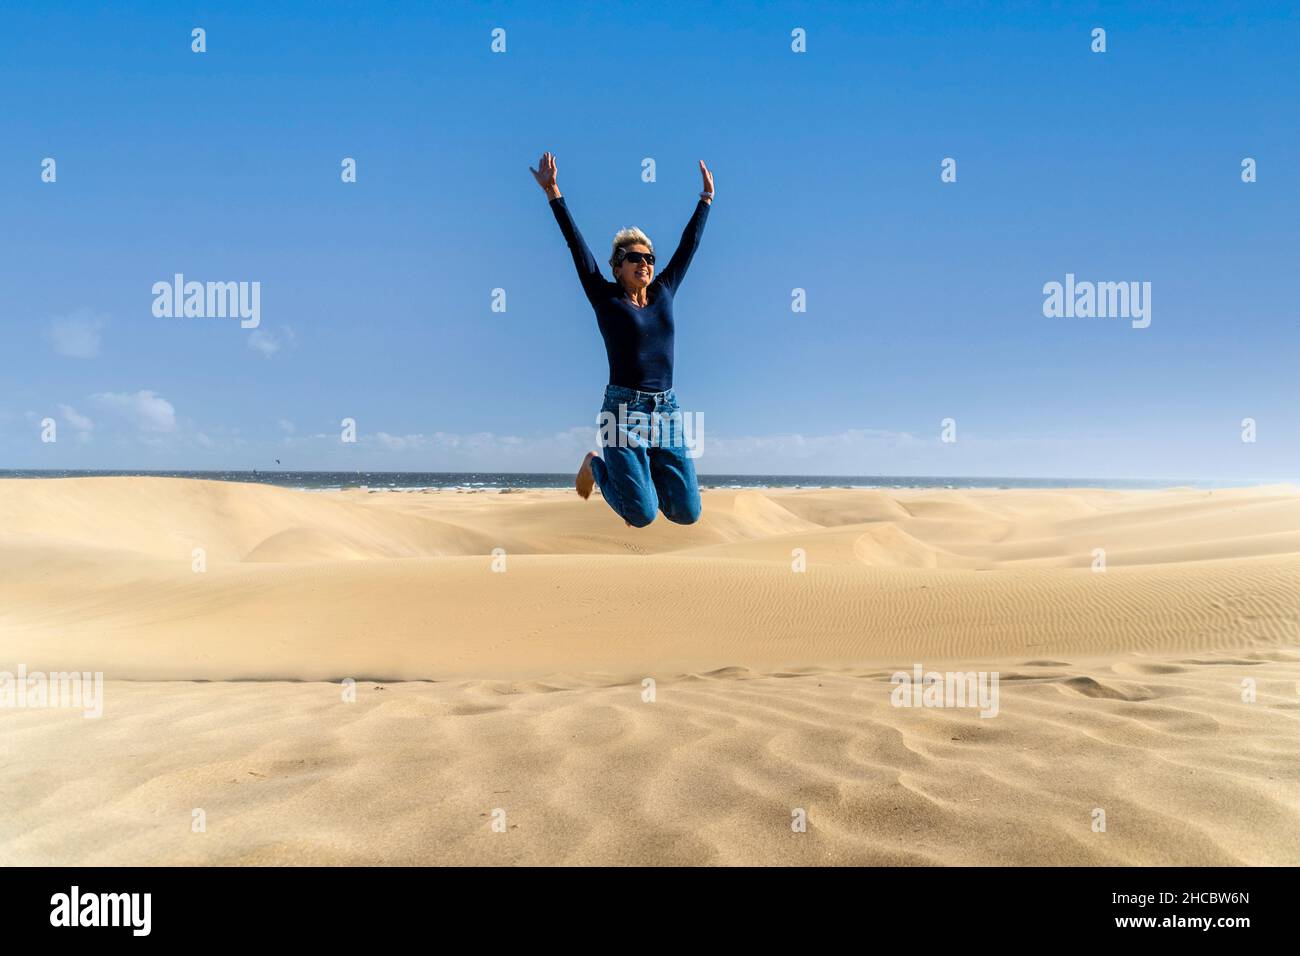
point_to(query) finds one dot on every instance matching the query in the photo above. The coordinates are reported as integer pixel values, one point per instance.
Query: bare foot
(585, 480)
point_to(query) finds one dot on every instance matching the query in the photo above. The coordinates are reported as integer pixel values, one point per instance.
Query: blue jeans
(645, 467)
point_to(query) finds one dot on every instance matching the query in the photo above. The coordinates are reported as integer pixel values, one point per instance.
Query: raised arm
(675, 271)
(593, 283)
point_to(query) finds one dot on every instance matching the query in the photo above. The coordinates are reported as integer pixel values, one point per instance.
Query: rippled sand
(515, 683)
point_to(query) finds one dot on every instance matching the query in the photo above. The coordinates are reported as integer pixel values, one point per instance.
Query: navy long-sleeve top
(638, 341)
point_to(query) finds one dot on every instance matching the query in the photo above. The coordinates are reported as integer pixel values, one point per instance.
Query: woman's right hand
(545, 175)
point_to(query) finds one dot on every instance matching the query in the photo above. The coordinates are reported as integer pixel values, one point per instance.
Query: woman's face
(636, 275)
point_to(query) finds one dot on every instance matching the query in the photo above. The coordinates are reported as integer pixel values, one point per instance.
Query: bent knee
(639, 517)
(684, 515)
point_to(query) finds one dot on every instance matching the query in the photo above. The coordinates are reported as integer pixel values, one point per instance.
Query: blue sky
(924, 298)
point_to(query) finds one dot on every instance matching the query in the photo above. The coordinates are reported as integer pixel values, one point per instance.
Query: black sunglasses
(647, 257)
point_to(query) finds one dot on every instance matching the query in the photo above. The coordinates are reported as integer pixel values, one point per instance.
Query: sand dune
(321, 586)
(501, 642)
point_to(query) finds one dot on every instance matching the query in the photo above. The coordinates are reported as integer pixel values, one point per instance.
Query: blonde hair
(630, 236)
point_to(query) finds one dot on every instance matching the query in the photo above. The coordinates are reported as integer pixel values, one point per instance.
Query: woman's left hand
(708, 181)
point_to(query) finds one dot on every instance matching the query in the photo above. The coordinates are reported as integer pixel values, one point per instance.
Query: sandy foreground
(666, 695)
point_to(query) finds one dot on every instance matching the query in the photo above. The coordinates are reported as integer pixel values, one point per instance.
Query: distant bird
(277, 461)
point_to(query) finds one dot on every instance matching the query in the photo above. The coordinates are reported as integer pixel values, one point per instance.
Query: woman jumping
(635, 315)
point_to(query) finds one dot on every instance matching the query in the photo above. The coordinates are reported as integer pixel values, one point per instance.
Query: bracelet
(705, 194)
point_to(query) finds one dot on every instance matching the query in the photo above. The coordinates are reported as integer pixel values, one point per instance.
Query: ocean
(496, 480)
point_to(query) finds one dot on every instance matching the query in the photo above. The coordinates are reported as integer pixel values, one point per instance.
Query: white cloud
(77, 420)
(79, 423)
(850, 452)
(484, 450)
(268, 343)
(401, 442)
(286, 426)
(77, 335)
(147, 410)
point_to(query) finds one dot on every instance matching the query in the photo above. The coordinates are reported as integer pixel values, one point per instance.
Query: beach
(473, 677)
